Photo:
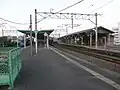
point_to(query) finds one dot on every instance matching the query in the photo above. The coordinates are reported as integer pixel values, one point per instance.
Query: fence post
(10, 72)
(17, 59)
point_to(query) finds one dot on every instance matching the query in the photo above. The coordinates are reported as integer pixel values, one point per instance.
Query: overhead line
(70, 6)
(14, 22)
(102, 6)
(63, 9)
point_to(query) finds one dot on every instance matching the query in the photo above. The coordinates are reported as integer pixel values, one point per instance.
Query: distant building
(2, 40)
(116, 36)
(12, 38)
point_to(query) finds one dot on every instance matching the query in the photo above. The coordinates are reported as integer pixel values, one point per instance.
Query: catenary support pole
(96, 35)
(36, 45)
(31, 35)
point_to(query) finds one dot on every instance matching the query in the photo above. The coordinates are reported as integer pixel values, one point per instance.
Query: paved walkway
(50, 71)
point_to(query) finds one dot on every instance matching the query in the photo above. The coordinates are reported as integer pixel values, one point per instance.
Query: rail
(107, 55)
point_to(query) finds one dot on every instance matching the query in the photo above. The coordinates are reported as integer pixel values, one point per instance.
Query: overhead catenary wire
(13, 22)
(99, 7)
(102, 6)
(70, 6)
(63, 9)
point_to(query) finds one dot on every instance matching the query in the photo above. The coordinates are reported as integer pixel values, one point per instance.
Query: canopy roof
(101, 30)
(40, 33)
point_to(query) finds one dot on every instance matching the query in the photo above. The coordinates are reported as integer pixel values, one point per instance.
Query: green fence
(10, 65)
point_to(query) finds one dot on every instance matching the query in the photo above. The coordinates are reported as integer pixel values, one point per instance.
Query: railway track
(103, 55)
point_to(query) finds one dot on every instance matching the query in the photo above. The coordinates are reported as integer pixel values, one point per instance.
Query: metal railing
(10, 65)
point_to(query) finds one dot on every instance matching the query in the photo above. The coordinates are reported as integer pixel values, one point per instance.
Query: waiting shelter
(40, 35)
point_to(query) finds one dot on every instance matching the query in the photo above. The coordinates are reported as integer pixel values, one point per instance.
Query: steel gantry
(72, 16)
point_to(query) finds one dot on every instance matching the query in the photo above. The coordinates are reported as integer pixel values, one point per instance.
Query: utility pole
(96, 41)
(31, 34)
(36, 45)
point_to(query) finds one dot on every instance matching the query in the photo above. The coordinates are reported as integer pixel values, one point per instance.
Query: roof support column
(105, 42)
(75, 40)
(47, 41)
(71, 40)
(24, 40)
(90, 39)
(108, 39)
(82, 40)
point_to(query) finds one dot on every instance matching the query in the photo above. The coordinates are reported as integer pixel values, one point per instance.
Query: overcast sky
(19, 11)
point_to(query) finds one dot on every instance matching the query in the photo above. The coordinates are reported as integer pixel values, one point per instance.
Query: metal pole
(31, 34)
(82, 40)
(96, 41)
(66, 30)
(2, 32)
(108, 39)
(3, 36)
(17, 38)
(90, 39)
(105, 42)
(72, 21)
(36, 29)
(47, 41)
(24, 40)
(59, 34)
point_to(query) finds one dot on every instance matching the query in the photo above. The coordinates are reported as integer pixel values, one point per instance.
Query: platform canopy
(40, 33)
(101, 31)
